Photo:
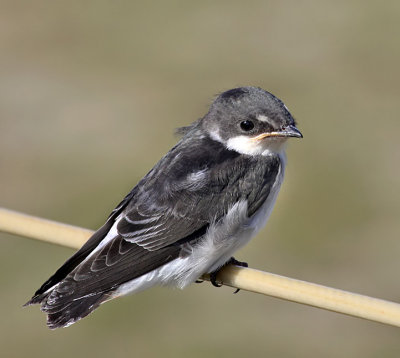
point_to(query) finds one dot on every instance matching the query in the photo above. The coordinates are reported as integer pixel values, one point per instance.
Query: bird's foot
(231, 261)
(213, 278)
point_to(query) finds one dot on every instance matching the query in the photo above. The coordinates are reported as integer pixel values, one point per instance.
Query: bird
(205, 199)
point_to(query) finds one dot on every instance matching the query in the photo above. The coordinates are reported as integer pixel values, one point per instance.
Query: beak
(289, 131)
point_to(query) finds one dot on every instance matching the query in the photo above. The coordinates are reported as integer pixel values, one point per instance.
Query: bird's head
(250, 121)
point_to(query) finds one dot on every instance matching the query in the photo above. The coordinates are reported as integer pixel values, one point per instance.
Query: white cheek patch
(246, 145)
(243, 145)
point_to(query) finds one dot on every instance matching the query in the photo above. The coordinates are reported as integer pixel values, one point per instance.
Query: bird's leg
(231, 261)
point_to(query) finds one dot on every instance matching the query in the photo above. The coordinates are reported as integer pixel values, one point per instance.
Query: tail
(63, 307)
(60, 298)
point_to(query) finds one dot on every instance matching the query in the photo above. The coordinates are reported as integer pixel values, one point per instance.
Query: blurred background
(90, 95)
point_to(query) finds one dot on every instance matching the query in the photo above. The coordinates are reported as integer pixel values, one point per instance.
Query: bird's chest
(237, 229)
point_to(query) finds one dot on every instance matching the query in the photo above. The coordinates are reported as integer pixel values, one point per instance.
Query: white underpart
(216, 248)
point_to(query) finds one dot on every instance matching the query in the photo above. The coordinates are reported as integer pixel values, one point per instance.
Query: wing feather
(173, 204)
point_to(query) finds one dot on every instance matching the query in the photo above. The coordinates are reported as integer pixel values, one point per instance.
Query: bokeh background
(90, 94)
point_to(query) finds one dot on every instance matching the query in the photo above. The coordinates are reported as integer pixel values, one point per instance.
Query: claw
(213, 279)
(231, 261)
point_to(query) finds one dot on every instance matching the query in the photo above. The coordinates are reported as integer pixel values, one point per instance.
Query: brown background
(90, 94)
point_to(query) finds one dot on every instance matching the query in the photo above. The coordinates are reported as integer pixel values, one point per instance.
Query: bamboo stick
(33, 227)
(239, 277)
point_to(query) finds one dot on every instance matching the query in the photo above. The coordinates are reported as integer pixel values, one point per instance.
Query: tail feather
(68, 302)
(93, 274)
(63, 309)
(36, 299)
(66, 313)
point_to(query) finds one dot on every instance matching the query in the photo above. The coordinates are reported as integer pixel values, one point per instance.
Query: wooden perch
(239, 277)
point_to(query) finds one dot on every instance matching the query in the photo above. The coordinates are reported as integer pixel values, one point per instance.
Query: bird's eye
(247, 125)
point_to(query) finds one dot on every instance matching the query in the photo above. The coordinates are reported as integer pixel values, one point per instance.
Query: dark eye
(247, 125)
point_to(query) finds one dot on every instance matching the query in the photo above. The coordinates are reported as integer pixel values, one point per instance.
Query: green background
(90, 94)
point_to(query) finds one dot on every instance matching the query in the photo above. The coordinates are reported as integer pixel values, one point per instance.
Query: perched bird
(205, 199)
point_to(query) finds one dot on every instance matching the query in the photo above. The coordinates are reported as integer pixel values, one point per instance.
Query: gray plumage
(201, 202)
